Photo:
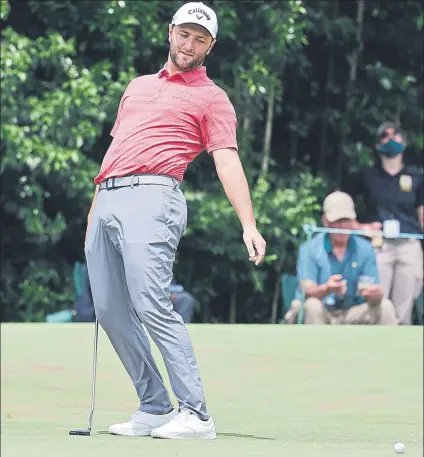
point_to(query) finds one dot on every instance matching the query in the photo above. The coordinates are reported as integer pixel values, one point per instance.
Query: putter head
(80, 432)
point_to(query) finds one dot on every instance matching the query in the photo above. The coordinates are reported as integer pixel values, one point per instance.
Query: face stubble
(185, 66)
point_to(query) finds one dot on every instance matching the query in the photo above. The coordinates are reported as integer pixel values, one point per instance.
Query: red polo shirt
(164, 122)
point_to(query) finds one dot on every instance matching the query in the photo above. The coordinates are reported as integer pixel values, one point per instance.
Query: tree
(310, 80)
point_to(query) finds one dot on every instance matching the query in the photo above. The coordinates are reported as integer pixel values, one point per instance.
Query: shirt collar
(187, 76)
(379, 167)
(351, 244)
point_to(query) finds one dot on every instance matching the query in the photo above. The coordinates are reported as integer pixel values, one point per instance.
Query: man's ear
(324, 221)
(210, 47)
(169, 32)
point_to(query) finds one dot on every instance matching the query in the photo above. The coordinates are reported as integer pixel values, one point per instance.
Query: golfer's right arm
(91, 210)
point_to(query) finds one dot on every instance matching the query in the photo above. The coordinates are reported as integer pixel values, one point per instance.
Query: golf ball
(400, 448)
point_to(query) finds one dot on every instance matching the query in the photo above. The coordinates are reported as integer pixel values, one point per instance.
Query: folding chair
(288, 292)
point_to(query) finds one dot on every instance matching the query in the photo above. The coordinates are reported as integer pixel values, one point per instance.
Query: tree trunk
(277, 287)
(268, 130)
(353, 61)
(246, 123)
(206, 313)
(233, 307)
(190, 273)
(328, 91)
(242, 107)
(245, 132)
(294, 136)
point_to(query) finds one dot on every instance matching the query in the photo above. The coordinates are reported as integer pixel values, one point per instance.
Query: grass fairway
(290, 391)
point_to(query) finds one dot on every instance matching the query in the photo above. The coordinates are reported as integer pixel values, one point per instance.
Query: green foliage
(65, 65)
(4, 9)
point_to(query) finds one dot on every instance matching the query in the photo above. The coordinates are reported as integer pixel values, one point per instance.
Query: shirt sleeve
(219, 124)
(307, 267)
(370, 266)
(419, 197)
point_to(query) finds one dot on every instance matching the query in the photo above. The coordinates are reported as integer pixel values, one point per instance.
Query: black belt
(136, 180)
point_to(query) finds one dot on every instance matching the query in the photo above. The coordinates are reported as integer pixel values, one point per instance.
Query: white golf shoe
(141, 424)
(186, 425)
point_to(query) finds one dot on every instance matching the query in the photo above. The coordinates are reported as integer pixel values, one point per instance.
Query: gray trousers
(130, 250)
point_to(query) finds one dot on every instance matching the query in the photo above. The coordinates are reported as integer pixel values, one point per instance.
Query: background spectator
(338, 273)
(393, 199)
(184, 302)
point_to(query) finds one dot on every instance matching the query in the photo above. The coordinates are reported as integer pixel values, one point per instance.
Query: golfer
(139, 213)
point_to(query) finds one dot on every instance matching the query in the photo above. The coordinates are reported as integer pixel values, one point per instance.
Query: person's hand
(371, 292)
(372, 227)
(255, 244)
(337, 285)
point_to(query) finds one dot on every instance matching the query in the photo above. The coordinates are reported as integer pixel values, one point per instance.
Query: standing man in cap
(393, 198)
(338, 273)
(138, 216)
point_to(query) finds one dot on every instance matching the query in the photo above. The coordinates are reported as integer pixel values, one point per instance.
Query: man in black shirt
(393, 200)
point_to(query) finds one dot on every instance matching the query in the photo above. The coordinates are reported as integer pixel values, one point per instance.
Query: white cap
(197, 13)
(339, 205)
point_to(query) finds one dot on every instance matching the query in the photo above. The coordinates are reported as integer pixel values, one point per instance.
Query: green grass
(292, 391)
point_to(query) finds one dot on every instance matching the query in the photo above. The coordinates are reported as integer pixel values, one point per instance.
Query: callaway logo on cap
(199, 14)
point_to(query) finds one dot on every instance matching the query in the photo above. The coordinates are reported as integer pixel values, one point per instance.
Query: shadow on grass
(241, 435)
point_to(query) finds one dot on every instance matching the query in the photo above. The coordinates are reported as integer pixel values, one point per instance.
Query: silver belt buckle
(134, 181)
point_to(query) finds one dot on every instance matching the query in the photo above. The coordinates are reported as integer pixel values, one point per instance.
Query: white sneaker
(186, 425)
(141, 424)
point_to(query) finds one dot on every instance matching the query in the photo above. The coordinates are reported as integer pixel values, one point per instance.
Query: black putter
(93, 387)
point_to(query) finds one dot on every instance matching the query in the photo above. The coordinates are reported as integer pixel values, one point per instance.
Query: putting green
(290, 391)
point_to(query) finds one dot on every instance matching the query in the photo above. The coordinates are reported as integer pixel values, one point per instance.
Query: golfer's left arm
(233, 179)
